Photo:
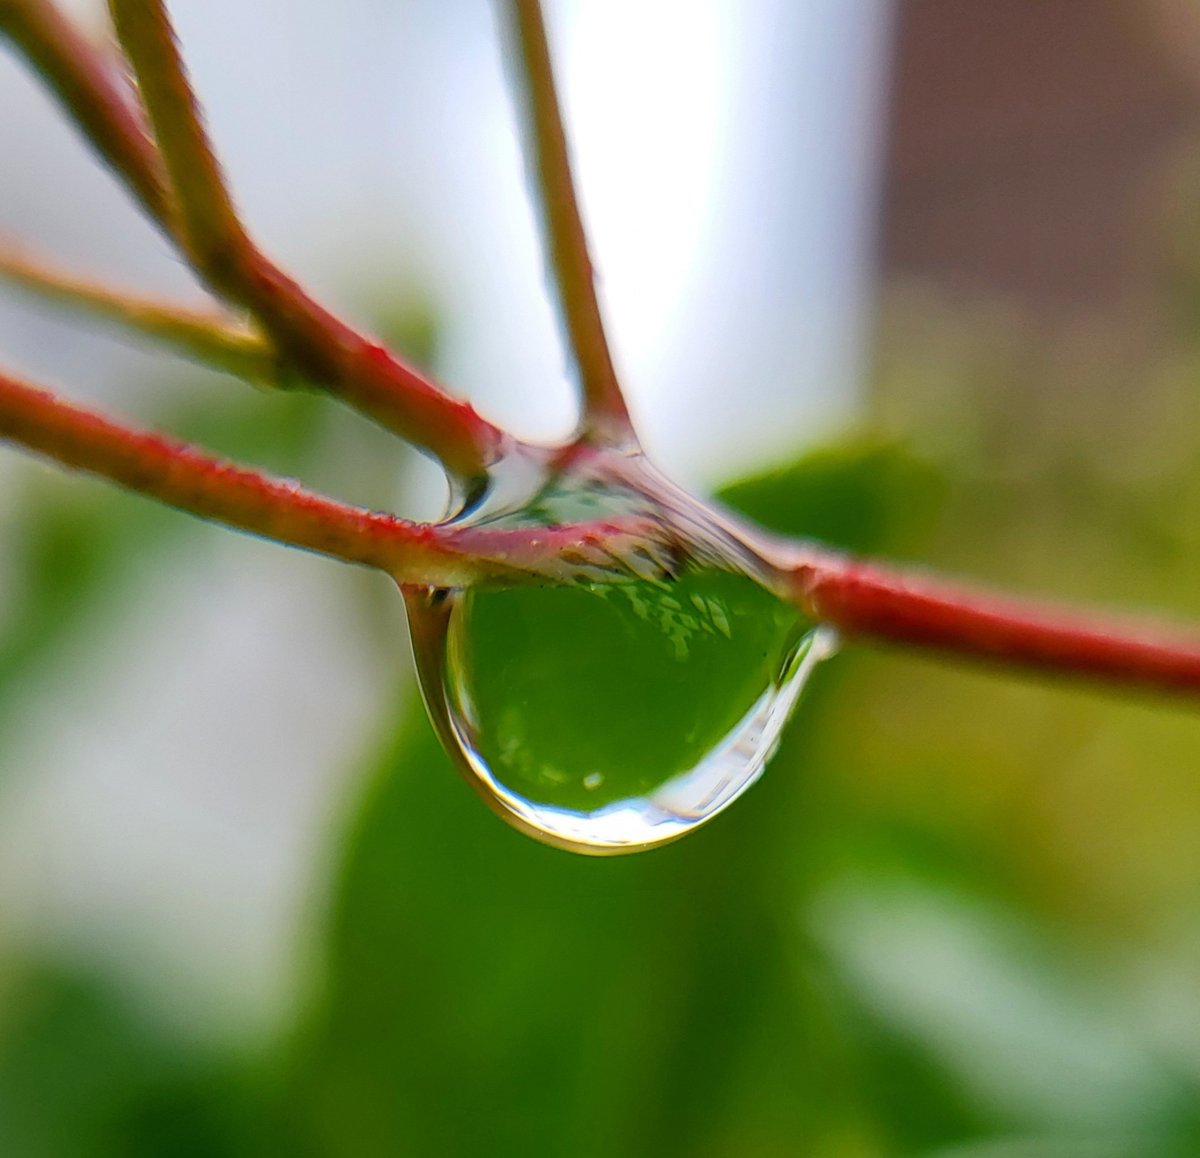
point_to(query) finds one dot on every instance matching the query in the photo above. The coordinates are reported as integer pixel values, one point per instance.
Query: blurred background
(918, 277)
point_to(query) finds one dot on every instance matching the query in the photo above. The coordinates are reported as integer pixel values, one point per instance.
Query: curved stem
(321, 346)
(316, 344)
(605, 417)
(210, 230)
(184, 477)
(863, 600)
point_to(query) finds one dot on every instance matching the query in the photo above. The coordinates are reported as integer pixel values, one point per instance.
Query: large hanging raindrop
(608, 717)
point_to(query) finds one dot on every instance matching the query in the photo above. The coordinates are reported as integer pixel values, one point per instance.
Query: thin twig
(868, 601)
(191, 480)
(862, 600)
(321, 347)
(183, 477)
(84, 82)
(317, 345)
(212, 234)
(605, 417)
(207, 337)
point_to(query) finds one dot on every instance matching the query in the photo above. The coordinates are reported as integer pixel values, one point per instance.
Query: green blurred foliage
(772, 986)
(83, 1074)
(488, 995)
(957, 918)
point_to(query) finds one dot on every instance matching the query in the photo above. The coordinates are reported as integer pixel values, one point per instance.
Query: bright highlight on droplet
(611, 718)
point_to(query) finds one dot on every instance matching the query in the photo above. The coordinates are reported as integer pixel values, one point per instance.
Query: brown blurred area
(1030, 143)
(1039, 309)
(1039, 267)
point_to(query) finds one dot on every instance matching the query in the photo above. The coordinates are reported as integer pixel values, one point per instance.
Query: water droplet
(611, 718)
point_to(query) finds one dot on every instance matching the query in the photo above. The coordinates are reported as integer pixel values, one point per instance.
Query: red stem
(605, 417)
(318, 345)
(861, 599)
(186, 477)
(97, 100)
(866, 601)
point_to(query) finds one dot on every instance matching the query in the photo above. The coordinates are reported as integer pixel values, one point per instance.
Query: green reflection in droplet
(582, 696)
(616, 711)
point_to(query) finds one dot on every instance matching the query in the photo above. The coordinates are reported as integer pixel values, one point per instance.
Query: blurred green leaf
(791, 980)
(486, 994)
(866, 495)
(82, 1076)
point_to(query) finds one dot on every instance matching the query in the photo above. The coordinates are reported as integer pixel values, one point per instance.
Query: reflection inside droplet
(613, 717)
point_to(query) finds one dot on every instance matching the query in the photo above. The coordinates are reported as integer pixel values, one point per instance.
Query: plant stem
(184, 477)
(97, 101)
(605, 415)
(413, 553)
(316, 344)
(862, 600)
(321, 347)
(211, 232)
(866, 601)
(205, 336)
